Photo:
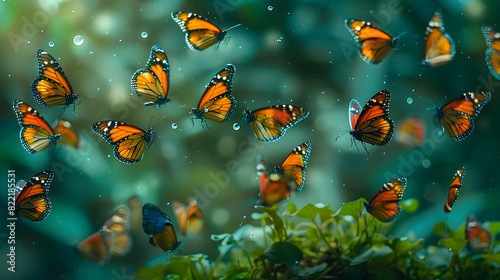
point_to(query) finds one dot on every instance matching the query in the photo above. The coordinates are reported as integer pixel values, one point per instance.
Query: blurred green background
(296, 52)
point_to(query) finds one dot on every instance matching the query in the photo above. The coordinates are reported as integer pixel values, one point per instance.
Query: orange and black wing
(457, 116)
(36, 134)
(270, 123)
(478, 238)
(274, 187)
(217, 104)
(384, 205)
(374, 44)
(295, 165)
(33, 202)
(157, 224)
(97, 247)
(119, 223)
(439, 47)
(200, 33)
(153, 81)
(130, 142)
(68, 136)
(190, 218)
(373, 124)
(51, 87)
(492, 50)
(453, 192)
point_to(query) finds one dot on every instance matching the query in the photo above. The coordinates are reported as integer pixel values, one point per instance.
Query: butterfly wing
(153, 81)
(129, 142)
(217, 103)
(384, 205)
(373, 125)
(439, 47)
(295, 165)
(200, 33)
(374, 44)
(189, 218)
(97, 247)
(33, 202)
(478, 238)
(354, 112)
(453, 192)
(67, 134)
(119, 223)
(51, 87)
(492, 50)
(156, 223)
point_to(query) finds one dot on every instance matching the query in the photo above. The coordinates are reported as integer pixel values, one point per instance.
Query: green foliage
(316, 242)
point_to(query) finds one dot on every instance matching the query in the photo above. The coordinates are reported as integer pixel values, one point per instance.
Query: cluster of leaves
(315, 242)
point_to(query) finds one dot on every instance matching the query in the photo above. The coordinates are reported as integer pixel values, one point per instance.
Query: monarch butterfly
(32, 201)
(130, 142)
(217, 103)
(411, 132)
(36, 134)
(190, 218)
(372, 124)
(374, 44)
(68, 136)
(439, 47)
(51, 87)
(478, 238)
(270, 123)
(457, 116)
(384, 205)
(492, 50)
(157, 224)
(200, 33)
(153, 81)
(453, 193)
(97, 247)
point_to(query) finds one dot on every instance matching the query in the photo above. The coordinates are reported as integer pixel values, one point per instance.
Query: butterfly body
(32, 202)
(384, 205)
(492, 50)
(453, 192)
(439, 46)
(157, 224)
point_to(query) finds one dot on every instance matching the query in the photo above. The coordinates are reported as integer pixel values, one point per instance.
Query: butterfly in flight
(384, 206)
(32, 201)
(51, 87)
(492, 50)
(270, 123)
(453, 192)
(153, 81)
(130, 142)
(157, 224)
(457, 116)
(200, 33)
(36, 134)
(372, 124)
(68, 136)
(217, 104)
(190, 218)
(439, 47)
(374, 44)
(478, 238)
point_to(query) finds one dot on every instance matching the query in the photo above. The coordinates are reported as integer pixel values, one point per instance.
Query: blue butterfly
(157, 224)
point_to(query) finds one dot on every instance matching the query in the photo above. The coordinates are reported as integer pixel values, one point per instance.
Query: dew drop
(236, 126)
(78, 40)
(174, 126)
(51, 44)
(88, 159)
(270, 8)
(144, 35)
(409, 100)
(426, 163)
(251, 235)
(109, 155)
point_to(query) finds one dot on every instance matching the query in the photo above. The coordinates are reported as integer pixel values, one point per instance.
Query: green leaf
(440, 260)
(380, 252)
(494, 258)
(402, 246)
(275, 220)
(258, 216)
(353, 208)
(291, 208)
(360, 258)
(309, 211)
(494, 228)
(301, 271)
(409, 205)
(454, 244)
(283, 253)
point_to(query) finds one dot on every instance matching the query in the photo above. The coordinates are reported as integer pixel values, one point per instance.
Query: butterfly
(439, 47)
(68, 136)
(32, 201)
(130, 142)
(411, 132)
(97, 247)
(36, 134)
(374, 44)
(157, 224)
(200, 33)
(457, 116)
(189, 218)
(51, 87)
(270, 123)
(372, 124)
(153, 81)
(478, 238)
(453, 193)
(217, 103)
(492, 50)
(384, 205)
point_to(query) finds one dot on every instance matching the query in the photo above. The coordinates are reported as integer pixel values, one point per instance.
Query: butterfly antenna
(341, 134)
(183, 106)
(364, 146)
(433, 103)
(234, 26)
(155, 122)
(86, 97)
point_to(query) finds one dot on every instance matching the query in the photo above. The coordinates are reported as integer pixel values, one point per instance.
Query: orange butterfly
(67, 134)
(372, 124)
(439, 47)
(97, 247)
(384, 205)
(130, 142)
(270, 123)
(457, 116)
(217, 103)
(411, 132)
(492, 50)
(200, 33)
(374, 44)
(189, 218)
(51, 87)
(453, 193)
(32, 201)
(36, 134)
(157, 224)
(153, 82)
(478, 238)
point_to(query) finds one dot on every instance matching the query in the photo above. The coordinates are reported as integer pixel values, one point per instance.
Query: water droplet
(144, 35)
(88, 159)
(33, 243)
(109, 155)
(426, 163)
(409, 100)
(110, 80)
(174, 126)
(138, 187)
(236, 126)
(78, 40)
(270, 8)
(51, 44)
(251, 235)
(179, 69)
